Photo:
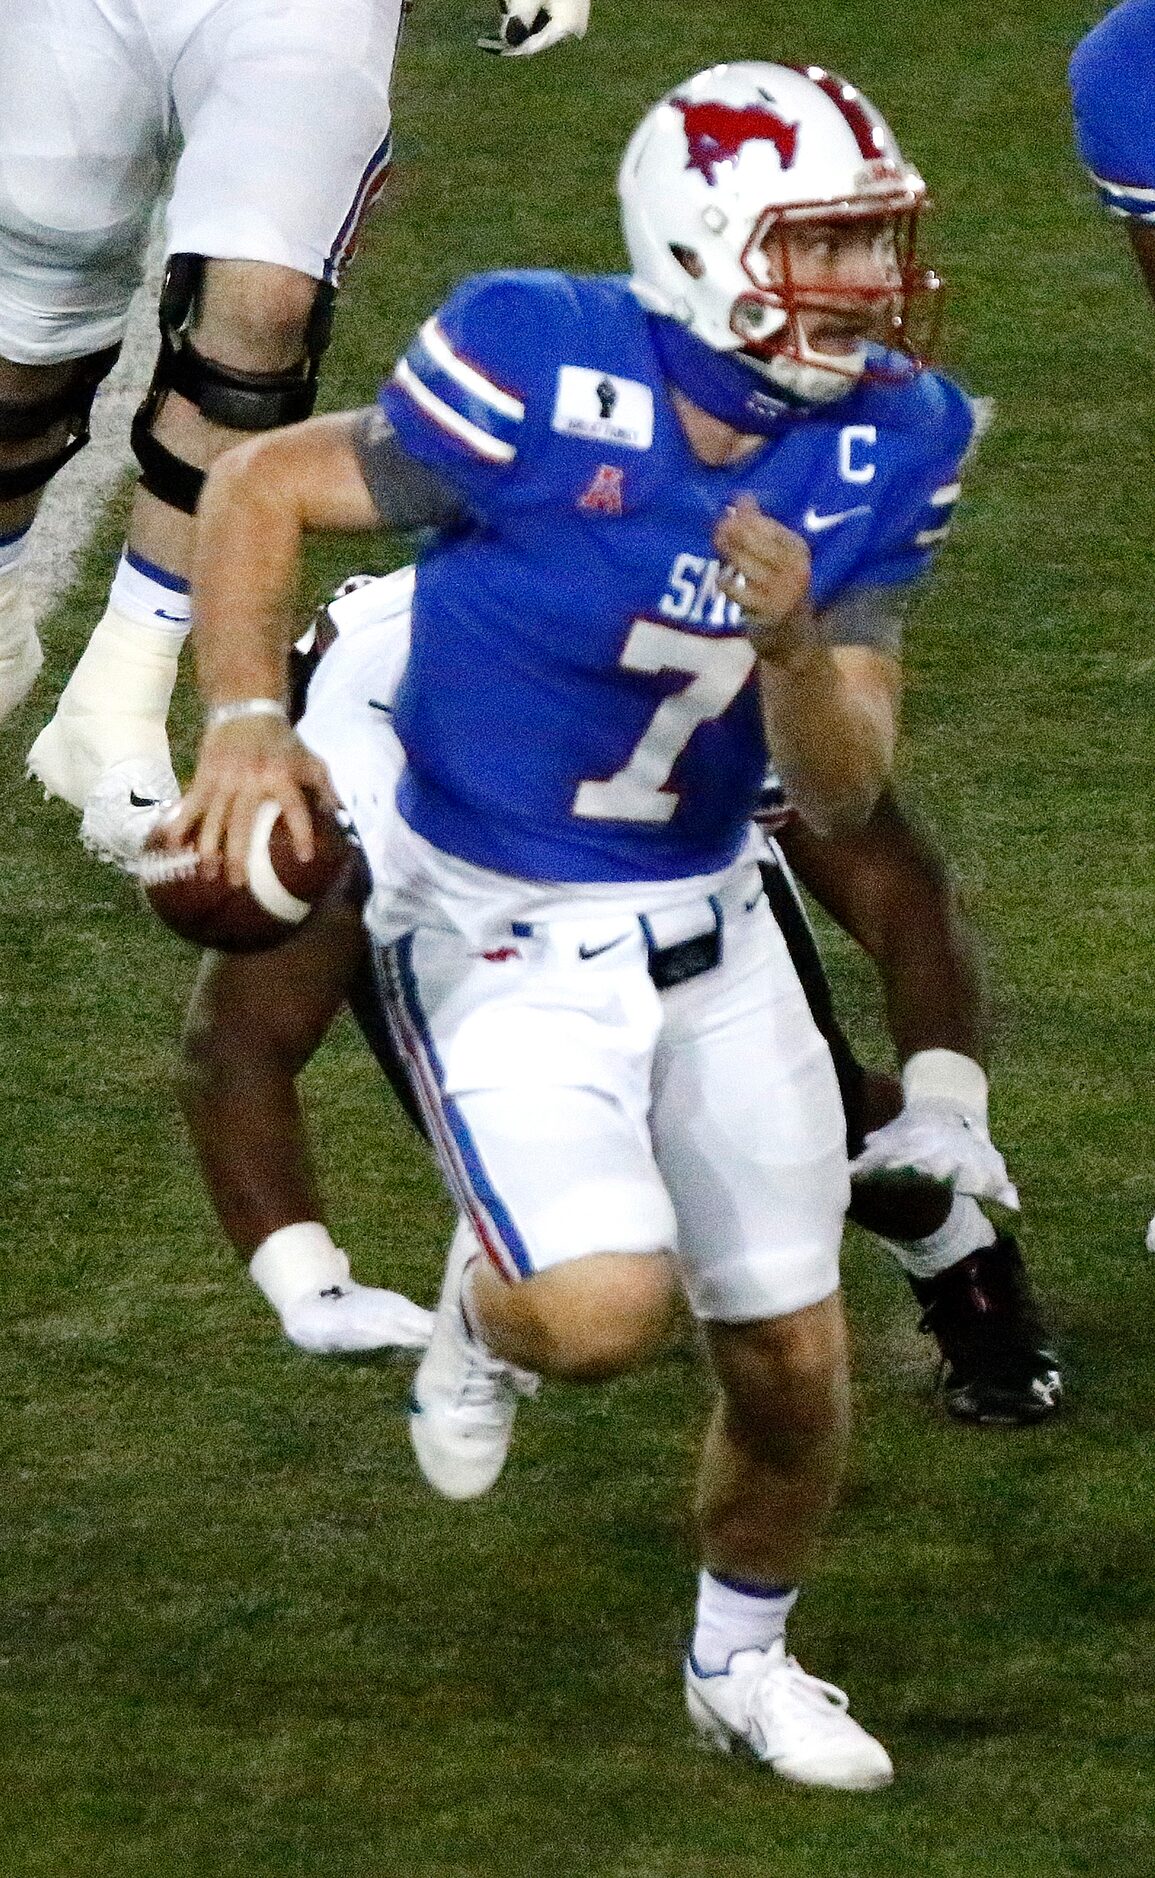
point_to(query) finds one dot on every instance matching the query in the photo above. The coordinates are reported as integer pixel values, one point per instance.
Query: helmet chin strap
(731, 386)
(808, 378)
(751, 393)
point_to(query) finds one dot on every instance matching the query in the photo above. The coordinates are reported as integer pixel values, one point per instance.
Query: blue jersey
(579, 703)
(1113, 89)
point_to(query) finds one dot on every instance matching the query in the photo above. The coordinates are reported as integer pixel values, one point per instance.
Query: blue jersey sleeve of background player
(1113, 91)
(929, 425)
(467, 396)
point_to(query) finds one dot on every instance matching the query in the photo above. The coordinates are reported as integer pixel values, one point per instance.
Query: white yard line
(76, 498)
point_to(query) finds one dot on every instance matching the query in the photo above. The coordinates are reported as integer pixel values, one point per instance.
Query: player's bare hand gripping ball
(242, 764)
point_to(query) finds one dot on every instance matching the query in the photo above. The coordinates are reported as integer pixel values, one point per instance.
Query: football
(280, 893)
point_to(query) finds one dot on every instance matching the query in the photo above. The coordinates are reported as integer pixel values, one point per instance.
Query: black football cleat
(997, 1367)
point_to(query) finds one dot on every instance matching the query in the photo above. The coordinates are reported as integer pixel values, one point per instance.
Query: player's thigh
(749, 1132)
(536, 1099)
(284, 110)
(82, 161)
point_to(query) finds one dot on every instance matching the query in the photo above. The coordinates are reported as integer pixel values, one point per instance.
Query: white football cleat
(113, 708)
(463, 1403)
(1151, 1237)
(124, 806)
(347, 1319)
(765, 1705)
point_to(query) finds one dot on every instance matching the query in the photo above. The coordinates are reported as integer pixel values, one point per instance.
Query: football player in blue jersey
(678, 515)
(1113, 89)
(249, 1034)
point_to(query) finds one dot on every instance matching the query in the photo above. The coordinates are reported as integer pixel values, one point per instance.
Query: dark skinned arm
(889, 888)
(253, 1023)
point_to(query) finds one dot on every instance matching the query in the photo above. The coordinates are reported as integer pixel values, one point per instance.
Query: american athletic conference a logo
(716, 132)
(604, 493)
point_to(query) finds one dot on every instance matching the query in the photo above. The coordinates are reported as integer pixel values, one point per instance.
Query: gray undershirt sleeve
(407, 495)
(868, 616)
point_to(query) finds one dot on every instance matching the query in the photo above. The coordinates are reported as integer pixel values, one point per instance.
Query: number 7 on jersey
(717, 669)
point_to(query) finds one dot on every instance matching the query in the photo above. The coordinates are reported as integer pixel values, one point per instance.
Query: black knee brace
(24, 423)
(244, 401)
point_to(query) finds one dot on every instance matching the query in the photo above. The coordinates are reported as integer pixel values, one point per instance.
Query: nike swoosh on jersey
(593, 952)
(816, 523)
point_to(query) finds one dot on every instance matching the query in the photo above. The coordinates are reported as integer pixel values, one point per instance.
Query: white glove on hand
(322, 1308)
(942, 1131)
(345, 1319)
(529, 26)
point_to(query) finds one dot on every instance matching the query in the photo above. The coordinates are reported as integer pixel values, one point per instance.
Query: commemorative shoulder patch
(602, 408)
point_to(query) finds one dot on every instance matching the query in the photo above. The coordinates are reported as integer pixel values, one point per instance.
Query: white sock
(142, 591)
(734, 1616)
(296, 1262)
(965, 1230)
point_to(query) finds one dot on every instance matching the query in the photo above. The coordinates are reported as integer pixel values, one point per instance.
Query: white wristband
(296, 1260)
(245, 707)
(946, 1076)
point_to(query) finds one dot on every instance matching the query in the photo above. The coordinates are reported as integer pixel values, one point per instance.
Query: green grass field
(238, 1637)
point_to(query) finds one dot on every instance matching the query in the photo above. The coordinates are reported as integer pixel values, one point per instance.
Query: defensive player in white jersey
(1113, 89)
(273, 118)
(650, 490)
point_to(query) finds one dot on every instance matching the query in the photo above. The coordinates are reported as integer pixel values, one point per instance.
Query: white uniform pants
(280, 112)
(577, 1108)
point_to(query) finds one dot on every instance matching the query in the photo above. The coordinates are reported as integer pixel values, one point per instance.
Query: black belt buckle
(688, 958)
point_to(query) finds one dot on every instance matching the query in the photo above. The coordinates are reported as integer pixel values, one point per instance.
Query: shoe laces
(487, 1382)
(484, 1384)
(786, 1694)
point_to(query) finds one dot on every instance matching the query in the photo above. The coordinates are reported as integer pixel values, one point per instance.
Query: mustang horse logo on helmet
(715, 133)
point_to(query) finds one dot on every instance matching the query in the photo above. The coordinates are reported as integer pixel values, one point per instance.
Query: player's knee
(785, 1380)
(44, 417)
(240, 341)
(600, 1317)
(255, 317)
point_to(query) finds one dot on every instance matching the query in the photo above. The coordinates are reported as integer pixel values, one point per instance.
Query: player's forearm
(249, 534)
(259, 502)
(248, 1035)
(927, 955)
(833, 745)
(934, 996)
(890, 888)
